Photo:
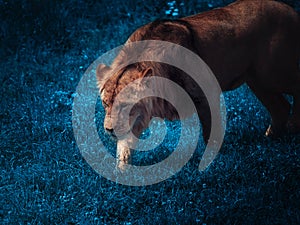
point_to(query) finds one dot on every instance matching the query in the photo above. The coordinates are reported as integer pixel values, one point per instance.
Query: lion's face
(117, 108)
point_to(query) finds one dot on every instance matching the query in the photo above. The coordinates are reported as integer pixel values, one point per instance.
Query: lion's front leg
(124, 153)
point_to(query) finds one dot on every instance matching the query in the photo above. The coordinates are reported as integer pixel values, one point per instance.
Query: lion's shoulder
(175, 31)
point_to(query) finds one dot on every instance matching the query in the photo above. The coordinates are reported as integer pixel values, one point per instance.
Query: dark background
(45, 47)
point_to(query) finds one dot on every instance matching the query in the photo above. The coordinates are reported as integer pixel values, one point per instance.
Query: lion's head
(118, 105)
(110, 85)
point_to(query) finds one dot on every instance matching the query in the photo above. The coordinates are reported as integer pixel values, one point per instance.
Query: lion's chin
(122, 135)
(119, 135)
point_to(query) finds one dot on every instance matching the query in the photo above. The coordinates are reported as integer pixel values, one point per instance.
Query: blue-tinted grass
(45, 48)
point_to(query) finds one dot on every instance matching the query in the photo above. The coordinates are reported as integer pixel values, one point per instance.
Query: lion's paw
(123, 155)
(122, 166)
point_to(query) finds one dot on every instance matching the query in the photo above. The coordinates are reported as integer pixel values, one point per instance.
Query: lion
(256, 42)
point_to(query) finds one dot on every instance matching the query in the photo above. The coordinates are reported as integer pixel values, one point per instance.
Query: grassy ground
(45, 48)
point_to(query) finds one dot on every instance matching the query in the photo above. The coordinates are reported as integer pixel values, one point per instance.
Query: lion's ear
(147, 72)
(102, 73)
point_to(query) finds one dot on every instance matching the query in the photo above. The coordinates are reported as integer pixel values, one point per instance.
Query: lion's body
(258, 36)
(250, 41)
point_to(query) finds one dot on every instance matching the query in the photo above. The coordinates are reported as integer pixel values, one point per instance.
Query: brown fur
(250, 41)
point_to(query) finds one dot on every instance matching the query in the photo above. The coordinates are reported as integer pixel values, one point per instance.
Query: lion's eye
(123, 105)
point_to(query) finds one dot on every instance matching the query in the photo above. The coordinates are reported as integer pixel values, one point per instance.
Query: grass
(45, 49)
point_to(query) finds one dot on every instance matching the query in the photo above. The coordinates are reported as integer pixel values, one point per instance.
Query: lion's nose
(110, 131)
